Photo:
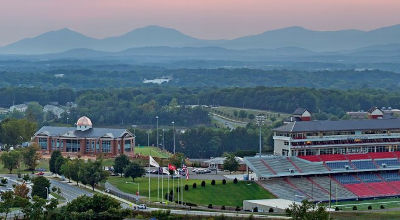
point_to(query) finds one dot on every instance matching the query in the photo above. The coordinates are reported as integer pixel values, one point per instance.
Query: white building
(19, 108)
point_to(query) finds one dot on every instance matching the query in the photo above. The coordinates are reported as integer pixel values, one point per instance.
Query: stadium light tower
(260, 120)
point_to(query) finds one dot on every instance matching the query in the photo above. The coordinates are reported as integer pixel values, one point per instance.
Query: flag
(171, 167)
(152, 162)
(186, 171)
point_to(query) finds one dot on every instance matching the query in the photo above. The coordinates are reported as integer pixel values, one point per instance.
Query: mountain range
(295, 39)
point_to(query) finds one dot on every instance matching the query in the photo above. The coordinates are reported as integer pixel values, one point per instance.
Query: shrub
(4, 181)
(203, 183)
(369, 207)
(235, 181)
(271, 210)
(255, 209)
(19, 175)
(337, 209)
(382, 207)
(54, 189)
(224, 181)
(210, 206)
(190, 204)
(223, 207)
(213, 182)
(237, 208)
(354, 207)
(194, 186)
(186, 187)
(26, 177)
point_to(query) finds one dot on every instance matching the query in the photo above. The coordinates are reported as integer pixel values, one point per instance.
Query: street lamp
(260, 120)
(137, 193)
(163, 143)
(157, 130)
(47, 192)
(173, 131)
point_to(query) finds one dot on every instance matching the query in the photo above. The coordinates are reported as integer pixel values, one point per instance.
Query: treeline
(205, 142)
(86, 75)
(140, 105)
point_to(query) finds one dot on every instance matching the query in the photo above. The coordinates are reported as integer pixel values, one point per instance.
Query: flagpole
(169, 174)
(162, 185)
(149, 176)
(173, 187)
(158, 184)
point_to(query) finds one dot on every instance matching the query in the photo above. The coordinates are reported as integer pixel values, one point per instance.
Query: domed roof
(84, 121)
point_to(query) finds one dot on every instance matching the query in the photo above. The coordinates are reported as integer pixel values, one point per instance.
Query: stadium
(334, 161)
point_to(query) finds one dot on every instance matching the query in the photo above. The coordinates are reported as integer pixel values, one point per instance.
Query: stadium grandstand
(332, 160)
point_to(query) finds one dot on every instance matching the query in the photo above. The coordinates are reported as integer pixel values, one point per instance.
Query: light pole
(47, 192)
(260, 119)
(173, 131)
(148, 138)
(163, 143)
(157, 130)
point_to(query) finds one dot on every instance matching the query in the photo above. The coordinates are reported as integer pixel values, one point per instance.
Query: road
(68, 191)
(229, 123)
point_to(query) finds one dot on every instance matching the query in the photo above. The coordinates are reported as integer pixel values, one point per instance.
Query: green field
(229, 112)
(229, 195)
(363, 205)
(44, 163)
(387, 215)
(153, 151)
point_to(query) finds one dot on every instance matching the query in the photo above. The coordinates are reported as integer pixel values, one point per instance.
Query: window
(43, 143)
(106, 146)
(73, 146)
(89, 146)
(127, 146)
(97, 146)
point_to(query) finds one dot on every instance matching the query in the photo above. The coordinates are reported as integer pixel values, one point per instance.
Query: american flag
(186, 170)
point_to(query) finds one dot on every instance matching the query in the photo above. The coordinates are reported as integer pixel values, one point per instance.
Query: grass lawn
(58, 197)
(366, 215)
(229, 195)
(44, 163)
(363, 205)
(155, 152)
(269, 114)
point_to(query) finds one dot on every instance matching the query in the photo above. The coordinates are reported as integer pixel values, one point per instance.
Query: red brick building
(85, 140)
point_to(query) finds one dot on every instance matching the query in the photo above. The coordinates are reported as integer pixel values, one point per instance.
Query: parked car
(40, 174)
(142, 206)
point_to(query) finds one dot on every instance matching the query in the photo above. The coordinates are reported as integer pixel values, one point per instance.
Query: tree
(120, 163)
(58, 164)
(40, 187)
(30, 156)
(66, 169)
(52, 162)
(16, 131)
(11, 160)
(230, 162)
(92, 173)
(177, 159)
(307, 210)
(7, 202)
(134, 170)
(21, 190)
(34, 112)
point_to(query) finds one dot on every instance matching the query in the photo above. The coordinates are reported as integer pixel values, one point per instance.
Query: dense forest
(121, 76)
(140, 105)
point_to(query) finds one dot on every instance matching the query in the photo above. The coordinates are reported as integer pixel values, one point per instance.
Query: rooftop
(91, 133)
(341, 125)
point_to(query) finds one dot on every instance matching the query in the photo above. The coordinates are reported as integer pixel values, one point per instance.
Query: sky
(206, 19)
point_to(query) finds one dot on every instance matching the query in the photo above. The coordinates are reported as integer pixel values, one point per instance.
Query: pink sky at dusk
(207, 19)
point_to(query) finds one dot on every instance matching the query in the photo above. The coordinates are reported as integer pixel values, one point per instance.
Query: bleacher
(368, 177)
(346, 179)
(309, 188)
(390, 176)
(388, 162)
(361, 190)
(307, 166)
(259, 166)
(280, 165)
(336, 188)
(364, 164)
(339, 165)
(280, 188)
